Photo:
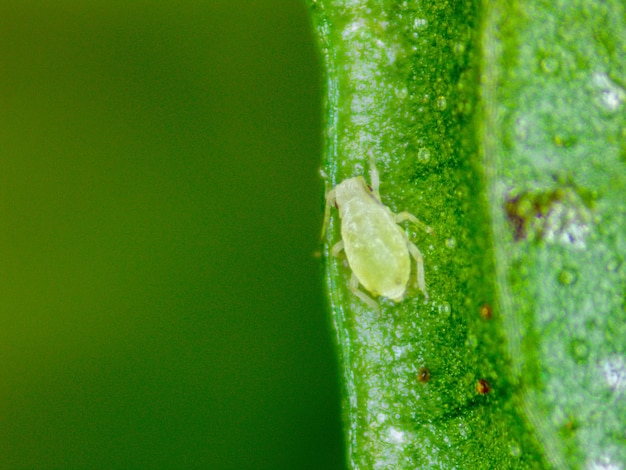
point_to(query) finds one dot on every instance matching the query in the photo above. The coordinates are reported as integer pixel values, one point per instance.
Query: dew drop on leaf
(579, 349)
(451, 242)
(423, 155)
(514, 449)
(471, 342)
(444, 309)
(549, 65)
(568, 276)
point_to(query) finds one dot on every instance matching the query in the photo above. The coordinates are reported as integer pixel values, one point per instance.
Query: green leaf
(502, 125)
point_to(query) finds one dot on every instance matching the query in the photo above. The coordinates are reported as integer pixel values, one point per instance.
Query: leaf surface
(502, 126)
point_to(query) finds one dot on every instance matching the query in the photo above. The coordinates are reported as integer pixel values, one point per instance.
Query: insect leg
(419, 263)
(403, 216)
(374, 176)
(337, 248)
(330, 201)
(354, 287)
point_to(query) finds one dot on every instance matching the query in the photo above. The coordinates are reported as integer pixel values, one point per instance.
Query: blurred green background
(160, 204)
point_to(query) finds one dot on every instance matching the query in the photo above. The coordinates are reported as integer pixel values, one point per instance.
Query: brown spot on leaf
(560, 215)
(483, 387)
(485, 311)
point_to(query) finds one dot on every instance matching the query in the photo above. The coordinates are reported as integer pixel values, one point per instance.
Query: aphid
(377, 249)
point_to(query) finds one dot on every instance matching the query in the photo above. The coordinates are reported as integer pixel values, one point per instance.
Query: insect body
(377, 249)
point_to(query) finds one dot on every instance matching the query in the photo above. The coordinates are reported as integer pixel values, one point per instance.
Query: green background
(160, 303)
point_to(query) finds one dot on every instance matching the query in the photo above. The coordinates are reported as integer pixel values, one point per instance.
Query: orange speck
(485, 311)
(483, 387)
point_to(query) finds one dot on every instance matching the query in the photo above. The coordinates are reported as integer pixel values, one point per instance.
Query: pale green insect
(377, 249)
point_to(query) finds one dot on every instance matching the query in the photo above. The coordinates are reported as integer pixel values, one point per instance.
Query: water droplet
(444, 309)
(568, 276)
(442, 103)
(549, 65)
(514, 449)
(402, 93)
(579, 349)
(423, 155)
(420, 23)
(463, 430)
(451, 242)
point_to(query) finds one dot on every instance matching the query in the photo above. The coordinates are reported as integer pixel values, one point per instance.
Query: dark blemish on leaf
(561, 215)
(515, 217)
(423, 375)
